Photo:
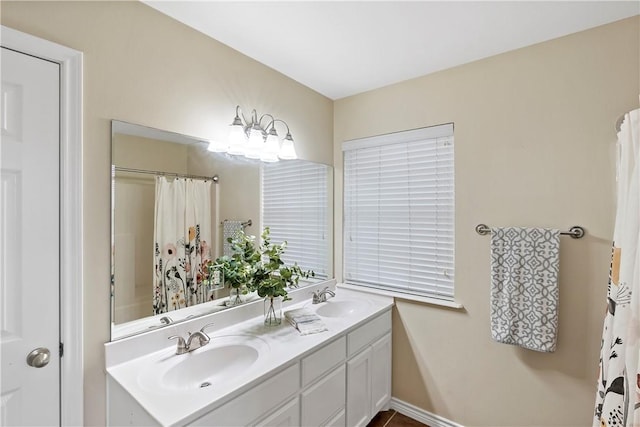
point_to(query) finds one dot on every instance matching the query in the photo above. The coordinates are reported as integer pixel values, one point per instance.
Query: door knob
(39, 357)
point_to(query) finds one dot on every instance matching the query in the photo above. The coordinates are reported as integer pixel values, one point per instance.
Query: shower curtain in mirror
(182, 240)
(618, 395)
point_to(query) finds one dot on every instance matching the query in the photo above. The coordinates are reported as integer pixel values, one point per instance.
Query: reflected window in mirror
(295, 208)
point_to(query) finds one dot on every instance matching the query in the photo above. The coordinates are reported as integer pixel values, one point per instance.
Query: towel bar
(575, 232)
(244, 224)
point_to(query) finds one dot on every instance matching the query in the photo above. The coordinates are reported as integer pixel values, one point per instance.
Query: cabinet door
(323, 399)
(338, 420)
(380, 374)
(359, 389)
(287, 416)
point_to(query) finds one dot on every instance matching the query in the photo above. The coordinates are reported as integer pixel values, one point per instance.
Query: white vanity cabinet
(313, 392)
(338, 378)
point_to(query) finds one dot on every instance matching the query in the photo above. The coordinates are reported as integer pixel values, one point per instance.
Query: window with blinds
(399, 212)
(294, 206)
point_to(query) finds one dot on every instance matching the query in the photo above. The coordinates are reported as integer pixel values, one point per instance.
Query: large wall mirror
(156, 176)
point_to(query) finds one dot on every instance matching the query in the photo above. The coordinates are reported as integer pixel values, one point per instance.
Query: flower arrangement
(260, 268)
(271, 276)
(238, 270)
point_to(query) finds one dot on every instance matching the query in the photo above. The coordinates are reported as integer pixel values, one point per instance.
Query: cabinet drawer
(323, 360)
(287, 416)
(256, 402)
(323, 399)
(366, 334)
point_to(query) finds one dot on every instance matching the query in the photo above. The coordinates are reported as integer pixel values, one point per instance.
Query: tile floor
(393, 418)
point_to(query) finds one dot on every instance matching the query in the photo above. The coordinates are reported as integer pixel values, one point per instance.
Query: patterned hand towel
(524, 287)
(231, 228)
(305, 321)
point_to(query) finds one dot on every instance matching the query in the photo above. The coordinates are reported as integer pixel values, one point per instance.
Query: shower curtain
(618, 395)
(182, 243)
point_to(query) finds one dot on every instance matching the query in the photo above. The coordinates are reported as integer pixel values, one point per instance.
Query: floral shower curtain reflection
(618, 396)
(182, 240)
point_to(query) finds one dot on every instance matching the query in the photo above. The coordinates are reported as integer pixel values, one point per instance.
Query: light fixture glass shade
(237, 140)
(255, 145)
(287, 150)
(271, 148)
(217, 146)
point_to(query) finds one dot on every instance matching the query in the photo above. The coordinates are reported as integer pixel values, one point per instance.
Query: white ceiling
(341, 48)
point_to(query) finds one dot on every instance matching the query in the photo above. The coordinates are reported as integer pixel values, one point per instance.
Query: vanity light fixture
(253, 140)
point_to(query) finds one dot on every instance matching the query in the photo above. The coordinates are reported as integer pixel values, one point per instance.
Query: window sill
(408, 297)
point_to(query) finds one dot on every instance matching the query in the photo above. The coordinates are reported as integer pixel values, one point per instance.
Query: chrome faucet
(321, 296)
(182, 347)
(202, 339)
(200, 336)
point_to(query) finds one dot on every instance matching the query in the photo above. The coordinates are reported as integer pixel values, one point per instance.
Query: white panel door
(29, 240)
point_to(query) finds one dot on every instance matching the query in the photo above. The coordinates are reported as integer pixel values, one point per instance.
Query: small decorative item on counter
(273, 311)
(262, 270)
(305, 321)
(237, 295)
(272, 278)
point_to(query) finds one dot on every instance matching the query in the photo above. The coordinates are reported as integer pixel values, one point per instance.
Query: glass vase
(237, 295)
(272, 311)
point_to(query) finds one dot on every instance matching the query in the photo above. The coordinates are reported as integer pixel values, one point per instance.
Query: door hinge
(61, 349)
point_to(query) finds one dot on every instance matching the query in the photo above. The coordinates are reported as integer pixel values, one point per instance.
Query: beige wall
(534, 145)
(143, 67)
(132, 247)
(137, 152)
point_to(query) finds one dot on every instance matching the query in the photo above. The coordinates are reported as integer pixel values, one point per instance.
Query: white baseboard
(418, 414)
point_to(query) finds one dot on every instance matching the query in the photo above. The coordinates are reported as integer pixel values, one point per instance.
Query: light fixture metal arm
(237, 121)
(273, 124)
(266, 128)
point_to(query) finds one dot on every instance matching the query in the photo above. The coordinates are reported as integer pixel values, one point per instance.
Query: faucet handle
(182, 346)
(206, 326)
(316, 296)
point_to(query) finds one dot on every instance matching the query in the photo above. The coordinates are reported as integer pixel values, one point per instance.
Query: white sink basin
(223, 360)
(341, 308)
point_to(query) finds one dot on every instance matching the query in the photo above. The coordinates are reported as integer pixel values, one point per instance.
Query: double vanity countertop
(178, 389)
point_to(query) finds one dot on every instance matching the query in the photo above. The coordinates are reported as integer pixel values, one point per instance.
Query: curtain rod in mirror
(213, 178)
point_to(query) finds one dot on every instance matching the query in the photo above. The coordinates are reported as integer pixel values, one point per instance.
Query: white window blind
(399, 212)
(294, 206)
